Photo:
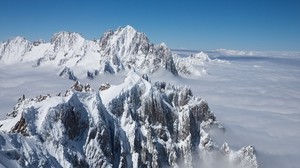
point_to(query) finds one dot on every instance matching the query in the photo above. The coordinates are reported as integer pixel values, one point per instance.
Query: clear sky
(264, 25)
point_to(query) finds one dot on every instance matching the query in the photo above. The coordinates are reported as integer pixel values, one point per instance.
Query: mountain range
(119, 50)
(137, 123)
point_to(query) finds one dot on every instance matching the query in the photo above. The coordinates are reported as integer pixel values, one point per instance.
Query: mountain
(122, 49)
(186, 64)
(126, 48)
(134, 124)
(14, 50)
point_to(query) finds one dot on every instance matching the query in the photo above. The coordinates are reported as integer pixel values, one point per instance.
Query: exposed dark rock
(104, 87)
(90, 75)
(67, 72)
(20, 127)
(77, 86)
(145, 76)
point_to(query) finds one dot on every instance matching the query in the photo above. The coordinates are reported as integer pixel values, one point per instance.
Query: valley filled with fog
(257, 99)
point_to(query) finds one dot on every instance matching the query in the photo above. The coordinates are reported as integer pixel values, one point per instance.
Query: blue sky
(264, 25)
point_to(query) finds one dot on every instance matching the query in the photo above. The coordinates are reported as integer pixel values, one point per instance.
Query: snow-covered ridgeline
(133, 124)
(13, 51)
(122, 49)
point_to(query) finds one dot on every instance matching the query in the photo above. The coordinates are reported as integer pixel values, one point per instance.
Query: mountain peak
(65, 41)
(129, 28)
(65, 35)
(63, 32)
(15, 40)
(201, 56)
(19, 38)
(128, 48)
(127, 31)
(13, 50)
(163, 45)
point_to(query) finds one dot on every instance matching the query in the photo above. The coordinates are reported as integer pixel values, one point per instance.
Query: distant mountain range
(119, 50)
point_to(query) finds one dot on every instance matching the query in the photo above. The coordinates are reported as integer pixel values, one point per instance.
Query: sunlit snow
(255, 95)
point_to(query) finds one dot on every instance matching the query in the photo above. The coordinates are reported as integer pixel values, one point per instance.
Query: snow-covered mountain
(186, 65)
(134, 124)
(126, 48)
(118, 50)
(13, 51)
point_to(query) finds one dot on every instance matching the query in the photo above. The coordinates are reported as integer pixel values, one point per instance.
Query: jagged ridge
(118, 50)
(135, 124)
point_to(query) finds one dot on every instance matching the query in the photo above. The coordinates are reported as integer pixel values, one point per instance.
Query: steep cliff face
(134, 124)
(127, 48)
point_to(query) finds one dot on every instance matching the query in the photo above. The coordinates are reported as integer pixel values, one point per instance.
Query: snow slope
(13, 51)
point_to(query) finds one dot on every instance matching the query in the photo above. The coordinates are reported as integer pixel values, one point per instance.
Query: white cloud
(228, 52)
